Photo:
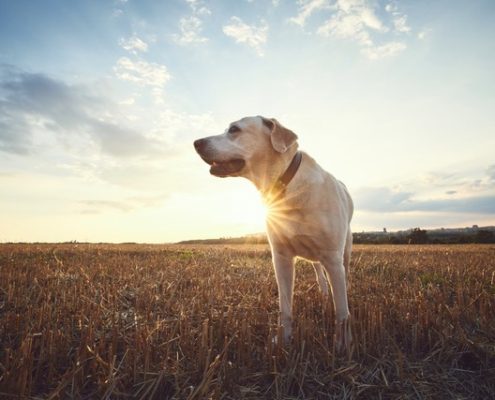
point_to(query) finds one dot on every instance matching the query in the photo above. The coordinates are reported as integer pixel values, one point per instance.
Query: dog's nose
(199, 145)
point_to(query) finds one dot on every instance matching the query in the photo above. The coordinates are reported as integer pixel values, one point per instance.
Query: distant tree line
(411, 236)
(423, 236)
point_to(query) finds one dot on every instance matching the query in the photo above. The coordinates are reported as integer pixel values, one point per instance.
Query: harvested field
(192, 322)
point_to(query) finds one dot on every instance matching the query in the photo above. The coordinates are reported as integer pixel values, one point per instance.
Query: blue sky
(100, 102)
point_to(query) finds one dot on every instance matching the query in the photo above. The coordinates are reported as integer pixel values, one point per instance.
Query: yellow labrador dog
(309, 210)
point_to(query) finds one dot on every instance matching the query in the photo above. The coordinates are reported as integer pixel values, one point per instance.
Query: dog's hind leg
(321, 277)
(347, 255)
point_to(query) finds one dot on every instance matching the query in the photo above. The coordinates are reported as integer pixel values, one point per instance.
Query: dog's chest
(297, 237)
(304, 246)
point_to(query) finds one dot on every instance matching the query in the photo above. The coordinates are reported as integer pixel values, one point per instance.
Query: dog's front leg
(284, 273)
(334, 266)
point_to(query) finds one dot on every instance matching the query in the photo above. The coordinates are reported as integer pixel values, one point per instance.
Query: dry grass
(129, 321)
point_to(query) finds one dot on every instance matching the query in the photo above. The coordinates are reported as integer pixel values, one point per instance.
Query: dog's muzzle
(220, 168)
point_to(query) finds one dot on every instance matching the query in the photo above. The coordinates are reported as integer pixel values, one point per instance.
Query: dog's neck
(278, 174)
(277, 192)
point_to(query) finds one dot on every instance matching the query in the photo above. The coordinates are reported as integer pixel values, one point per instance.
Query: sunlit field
(194, 322)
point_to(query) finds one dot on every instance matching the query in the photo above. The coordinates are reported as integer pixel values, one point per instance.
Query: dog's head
(248, 147)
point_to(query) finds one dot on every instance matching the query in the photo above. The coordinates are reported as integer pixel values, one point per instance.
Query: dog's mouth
(226, 168)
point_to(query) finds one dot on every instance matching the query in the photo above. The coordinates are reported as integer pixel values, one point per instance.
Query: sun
(255, 210)
(251, 212)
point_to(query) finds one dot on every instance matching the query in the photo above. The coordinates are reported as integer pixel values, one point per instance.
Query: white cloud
(400, 24)
(353, 20)
(382, 199)
(191, 26)
(198, 7)
(42, 113)
(118, 12)
(435, 199)
(346, 27)
(142, 72)
(190, 31)
(306, 8)
(388, 200)
(358, 20)
(133, 45)
(391, 7)
(251, 35)
(385, 50)
(399, 19)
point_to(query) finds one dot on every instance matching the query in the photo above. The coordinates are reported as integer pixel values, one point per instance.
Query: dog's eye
(234, 129)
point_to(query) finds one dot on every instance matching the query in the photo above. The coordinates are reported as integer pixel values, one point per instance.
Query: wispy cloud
(251, 35)
(400, 24)
(142, 72)
(118, 8)
(307, 8)
(198, 7)
(191, 26)
(134, 45)
(423, 34)
(190, 31)
(383, 199)
(473, 204)
(358, 20)
(399, 19)
(355, 16)
(385, 50)
(352, 25)
(31, 104)
(435, 192)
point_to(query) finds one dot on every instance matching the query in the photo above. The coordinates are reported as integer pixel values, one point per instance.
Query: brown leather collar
(277, 191)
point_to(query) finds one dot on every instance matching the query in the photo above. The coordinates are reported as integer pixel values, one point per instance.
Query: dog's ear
(281, 137)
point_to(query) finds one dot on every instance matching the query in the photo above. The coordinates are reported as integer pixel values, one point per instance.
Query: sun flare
(244, 208)
(254, 211)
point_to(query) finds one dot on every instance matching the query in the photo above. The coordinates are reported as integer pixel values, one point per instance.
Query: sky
(101, 100)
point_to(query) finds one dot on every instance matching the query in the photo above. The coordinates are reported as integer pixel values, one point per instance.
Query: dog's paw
(283, 337)
(343, 336)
